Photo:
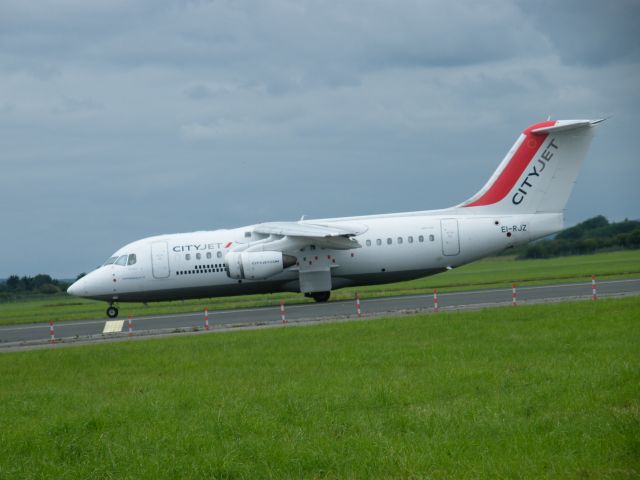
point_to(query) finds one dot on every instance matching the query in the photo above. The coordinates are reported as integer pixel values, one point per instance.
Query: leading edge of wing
(305, 229)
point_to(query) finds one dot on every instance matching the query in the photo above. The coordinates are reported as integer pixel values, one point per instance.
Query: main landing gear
(112, 312)
(319, 297)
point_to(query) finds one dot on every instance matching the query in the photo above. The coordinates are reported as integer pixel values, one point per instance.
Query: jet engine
(257, 265)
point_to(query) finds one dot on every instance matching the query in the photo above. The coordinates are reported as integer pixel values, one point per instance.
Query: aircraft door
(450, 237)
(160, 259)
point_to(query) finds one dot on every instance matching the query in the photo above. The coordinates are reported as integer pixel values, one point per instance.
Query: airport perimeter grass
(545, 391)
(497, 272)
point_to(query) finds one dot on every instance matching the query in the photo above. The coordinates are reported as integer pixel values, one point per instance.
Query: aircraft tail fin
(538, 173)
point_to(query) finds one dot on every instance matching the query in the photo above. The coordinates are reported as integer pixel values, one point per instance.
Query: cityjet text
(195, 248)
(537, 169)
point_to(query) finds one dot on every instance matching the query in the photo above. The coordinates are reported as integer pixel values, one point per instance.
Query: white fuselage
(394, 247)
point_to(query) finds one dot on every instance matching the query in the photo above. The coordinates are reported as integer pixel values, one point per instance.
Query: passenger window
(431, 238)
(389, 241)
(410, 239)
(399, 240)
(378, 242)
(208, 254)
(421, 239)
(187, 256)
(122, 260)
(368, 243)
(132, 259)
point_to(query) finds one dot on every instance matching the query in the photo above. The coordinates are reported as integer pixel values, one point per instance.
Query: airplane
(523, 200)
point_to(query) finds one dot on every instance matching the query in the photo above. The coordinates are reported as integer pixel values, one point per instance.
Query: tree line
(40, 284)
(593, 235)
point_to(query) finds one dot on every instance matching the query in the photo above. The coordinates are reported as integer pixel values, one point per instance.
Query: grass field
(488, 273)
(546, 391)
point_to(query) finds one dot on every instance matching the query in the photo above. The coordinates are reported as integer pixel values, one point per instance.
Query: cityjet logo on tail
(537, 169)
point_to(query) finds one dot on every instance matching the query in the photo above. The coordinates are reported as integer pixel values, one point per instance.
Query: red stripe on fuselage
(518, 163)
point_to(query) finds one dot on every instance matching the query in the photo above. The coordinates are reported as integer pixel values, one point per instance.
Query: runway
(88, 330)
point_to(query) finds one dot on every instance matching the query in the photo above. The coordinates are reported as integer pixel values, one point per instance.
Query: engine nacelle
(257, 265)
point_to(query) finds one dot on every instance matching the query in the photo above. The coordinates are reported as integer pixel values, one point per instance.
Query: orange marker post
(282, 316)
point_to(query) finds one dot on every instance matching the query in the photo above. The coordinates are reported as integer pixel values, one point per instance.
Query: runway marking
(113, 326)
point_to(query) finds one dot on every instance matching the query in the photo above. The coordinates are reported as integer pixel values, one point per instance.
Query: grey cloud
(201, 91)
(198, 92)
(76, 105)
(124, 119)
(288, 46)
(210, 131)
(589, 32)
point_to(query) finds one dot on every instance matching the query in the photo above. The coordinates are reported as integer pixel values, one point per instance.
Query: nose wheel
(112, 312)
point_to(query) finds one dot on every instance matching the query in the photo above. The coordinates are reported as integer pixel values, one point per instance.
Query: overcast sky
(121, 119)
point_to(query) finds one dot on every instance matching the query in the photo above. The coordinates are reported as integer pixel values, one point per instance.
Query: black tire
(112, 312)
(321, 297)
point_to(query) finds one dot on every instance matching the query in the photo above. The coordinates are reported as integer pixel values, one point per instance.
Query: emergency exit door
(450, 237)
(160, 259)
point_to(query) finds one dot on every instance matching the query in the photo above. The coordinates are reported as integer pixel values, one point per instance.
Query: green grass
(488, 273)
(546, 391)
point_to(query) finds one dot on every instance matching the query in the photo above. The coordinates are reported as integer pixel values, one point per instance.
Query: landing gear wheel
(320, 297)
(112, 312)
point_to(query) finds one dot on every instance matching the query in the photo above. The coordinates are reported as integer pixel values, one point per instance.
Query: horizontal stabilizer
(564, 125)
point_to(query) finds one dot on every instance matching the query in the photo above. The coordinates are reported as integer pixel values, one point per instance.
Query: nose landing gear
(112, 312)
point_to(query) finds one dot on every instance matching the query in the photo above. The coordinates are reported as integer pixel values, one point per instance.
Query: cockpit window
(132, 259)
(122, 260)
(110, 261)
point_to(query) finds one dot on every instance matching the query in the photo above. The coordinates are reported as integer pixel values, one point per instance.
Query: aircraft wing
(286, 236)
(303, 229)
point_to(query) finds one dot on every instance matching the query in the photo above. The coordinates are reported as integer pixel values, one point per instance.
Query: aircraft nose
(74, 288)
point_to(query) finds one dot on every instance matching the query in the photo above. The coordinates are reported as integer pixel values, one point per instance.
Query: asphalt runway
(88, 330)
